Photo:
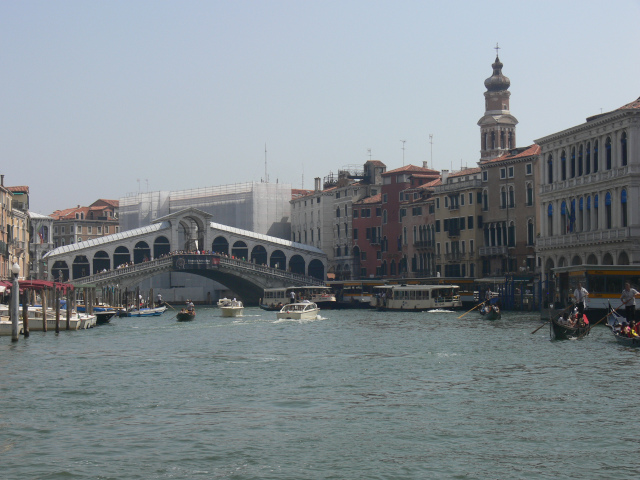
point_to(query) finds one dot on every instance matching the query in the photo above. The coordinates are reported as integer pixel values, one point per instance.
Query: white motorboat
(231, 308)
(299, 311)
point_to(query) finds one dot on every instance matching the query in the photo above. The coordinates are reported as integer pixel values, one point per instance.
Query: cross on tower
(497, 48)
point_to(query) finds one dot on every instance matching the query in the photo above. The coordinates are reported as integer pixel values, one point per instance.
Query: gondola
(615, 321)
(490, 312)
(186, 316)
(562, 331)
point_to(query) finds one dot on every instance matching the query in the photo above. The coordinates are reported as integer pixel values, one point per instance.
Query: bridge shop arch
(316, 269)
(81, 267)
(259, 255)
(220, 246)
(121, 256)
(141, 252)
(278, 260)
(297, 265)
(240, 250)
(101, 261)
(60, 271)
(161, 246)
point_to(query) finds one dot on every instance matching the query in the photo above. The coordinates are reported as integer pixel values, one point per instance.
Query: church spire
(497, 126)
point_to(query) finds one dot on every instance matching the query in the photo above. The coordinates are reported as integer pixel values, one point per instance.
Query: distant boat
(231, 308)
(615, 322)
(186, 315)
(299, 311)
(416, 297)
(6, 327)
(144, 312)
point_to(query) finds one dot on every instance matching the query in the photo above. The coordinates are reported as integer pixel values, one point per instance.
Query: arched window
(563, 218)
(580, 220)
(529, 193)
(580, 162)
(595, 157)
(512, 197)
(511, 235)
(510, 140)
(587, 166)
(563, 166)
(607, 147)
(623, 207)
(503, 197)
(623, 149)
(572, 216)
(587, 226)
(607, 210)
(550, 220)
(338, 212)
(493, 140)
(573, 162)
(596, 216)
(550, 169)
(502, 139)
(530, 231)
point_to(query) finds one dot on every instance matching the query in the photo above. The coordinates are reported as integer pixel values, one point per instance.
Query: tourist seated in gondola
(632, 329)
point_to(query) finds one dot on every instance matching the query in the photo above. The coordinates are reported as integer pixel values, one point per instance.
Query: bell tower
(497, 126)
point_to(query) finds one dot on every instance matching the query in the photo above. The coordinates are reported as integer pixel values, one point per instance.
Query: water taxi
(299, 311)
(274, 298)
(416, 297)
(231, 308)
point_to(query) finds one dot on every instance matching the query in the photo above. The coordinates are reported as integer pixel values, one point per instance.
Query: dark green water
(355, 395)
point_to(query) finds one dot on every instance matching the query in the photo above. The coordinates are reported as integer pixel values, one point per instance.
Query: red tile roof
(22, 189)
(409, 169)
(635, 105)
(466, 171)
(527, 152)
(372, 199)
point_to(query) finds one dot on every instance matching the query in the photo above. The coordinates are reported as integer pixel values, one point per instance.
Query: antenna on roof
(369, 152)
(403, 142)
(138, 184)
(266, 179)
(431, 142)
(302, 187)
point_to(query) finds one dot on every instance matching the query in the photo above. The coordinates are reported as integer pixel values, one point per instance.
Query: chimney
(445, 176)
(1, 180)
(318, 185)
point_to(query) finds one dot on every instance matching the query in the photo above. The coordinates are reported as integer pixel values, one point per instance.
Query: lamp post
(15, 302)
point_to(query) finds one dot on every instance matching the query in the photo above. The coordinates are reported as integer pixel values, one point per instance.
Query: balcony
(424, 244)
(585, 238)
(455, 257)
(492, 251)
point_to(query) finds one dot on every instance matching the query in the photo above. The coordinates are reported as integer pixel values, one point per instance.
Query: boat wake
(295, 320)
(440, 310)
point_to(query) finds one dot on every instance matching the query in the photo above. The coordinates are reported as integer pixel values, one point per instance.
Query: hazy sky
(101, 99)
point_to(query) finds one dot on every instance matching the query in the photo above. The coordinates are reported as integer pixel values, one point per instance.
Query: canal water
(351, 395)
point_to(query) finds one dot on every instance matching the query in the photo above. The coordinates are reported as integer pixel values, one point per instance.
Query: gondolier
(628, 299)
(580, 295)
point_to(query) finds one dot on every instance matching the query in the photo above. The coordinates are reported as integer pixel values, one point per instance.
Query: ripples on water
(350, 395)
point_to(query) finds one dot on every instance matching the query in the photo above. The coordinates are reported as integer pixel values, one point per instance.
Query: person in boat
(580, 296)
(632, 329)
(189, 306)
(487, 296)
(628, 299)
(293, 297)
(159, 300)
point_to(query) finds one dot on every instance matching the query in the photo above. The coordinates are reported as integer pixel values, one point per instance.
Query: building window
(623, 205)
(338, 212)
(503, 173)
(550, 220)
(384, 198)
(550, 169)
(510, 172)
(580, 162)
(485, 200)
(485, 176)
(355, 214)
(99, 230)
(587, 163)
(355, 234)
(595, 157)
(529, 194)
(384, 216)
(623, 149)
(90, 229)
(607, 210)
(528, 169)
(471, 199)
(106, 229)
(62, 230)
(530, 231)
(437, 203)
(563, 166)
(573, 162)
(607, 147)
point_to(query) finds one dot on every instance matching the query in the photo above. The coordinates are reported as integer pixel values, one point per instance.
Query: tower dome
(497, 82)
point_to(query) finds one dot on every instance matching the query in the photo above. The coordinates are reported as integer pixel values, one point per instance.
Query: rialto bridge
(238, 259)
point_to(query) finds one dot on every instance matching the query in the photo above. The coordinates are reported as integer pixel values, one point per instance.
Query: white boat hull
(299, 311)
(232, 311)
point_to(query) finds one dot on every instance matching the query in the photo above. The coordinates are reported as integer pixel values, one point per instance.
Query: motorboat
(232, 308)
(299, 311)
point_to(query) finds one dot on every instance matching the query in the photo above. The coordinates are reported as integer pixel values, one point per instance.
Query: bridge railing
(164, 262)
